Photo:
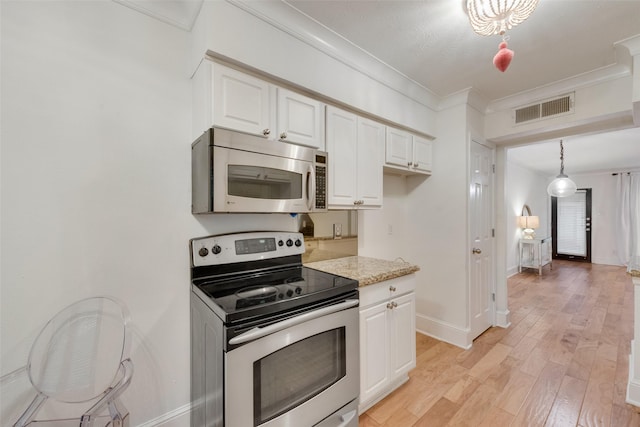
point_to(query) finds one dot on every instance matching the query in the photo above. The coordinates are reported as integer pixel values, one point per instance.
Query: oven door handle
(256, 333)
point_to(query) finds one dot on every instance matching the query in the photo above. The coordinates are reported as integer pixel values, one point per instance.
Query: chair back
(76, 356)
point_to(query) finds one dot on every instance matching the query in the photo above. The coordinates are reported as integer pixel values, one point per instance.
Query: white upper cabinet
(342, 135)
(370, 154)
(398, 149)
(356, 149)
(300, 119)
(407, 153)
(242, 102)
(421, 154)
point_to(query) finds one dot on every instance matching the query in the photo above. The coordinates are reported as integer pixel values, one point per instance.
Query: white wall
(524, 186)
(437, 215)
(96, 125)
(384, 233)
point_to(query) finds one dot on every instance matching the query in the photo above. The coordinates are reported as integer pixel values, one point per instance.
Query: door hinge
(493, 297)
(493, 232)
(493, 167)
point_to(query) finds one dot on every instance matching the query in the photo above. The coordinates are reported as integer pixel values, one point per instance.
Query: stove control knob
(216, 249)
(298, 290)
(289, 292)
(280, 243)
(298, 243)
(203, 252)
(289, 242)
(280, 295)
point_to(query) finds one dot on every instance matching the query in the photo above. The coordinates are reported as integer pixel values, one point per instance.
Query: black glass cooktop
(259, 294)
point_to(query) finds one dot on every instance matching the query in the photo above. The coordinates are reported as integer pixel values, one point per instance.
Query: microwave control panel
(321, 181)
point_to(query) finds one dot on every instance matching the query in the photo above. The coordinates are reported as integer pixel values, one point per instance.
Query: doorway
(571, 226)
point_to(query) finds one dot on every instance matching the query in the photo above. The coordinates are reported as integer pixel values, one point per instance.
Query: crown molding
(179, 13)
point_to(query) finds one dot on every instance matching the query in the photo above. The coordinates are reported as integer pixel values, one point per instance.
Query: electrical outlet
(337, 231)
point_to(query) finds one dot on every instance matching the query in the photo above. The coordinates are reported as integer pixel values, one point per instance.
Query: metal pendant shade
(489, 17)
(562, 186)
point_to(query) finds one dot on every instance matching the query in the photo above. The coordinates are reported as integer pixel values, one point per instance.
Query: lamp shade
(562, 186)
(531, 222)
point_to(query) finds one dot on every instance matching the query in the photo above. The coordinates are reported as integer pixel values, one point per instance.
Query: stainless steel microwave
(237, 172)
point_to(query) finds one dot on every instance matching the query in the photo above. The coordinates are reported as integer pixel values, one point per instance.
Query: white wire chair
(80, 357)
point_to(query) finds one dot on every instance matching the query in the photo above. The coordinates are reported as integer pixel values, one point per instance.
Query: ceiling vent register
(545, 109)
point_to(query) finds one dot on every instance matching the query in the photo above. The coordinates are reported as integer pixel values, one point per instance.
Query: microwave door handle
(310, 187)
(256, 333)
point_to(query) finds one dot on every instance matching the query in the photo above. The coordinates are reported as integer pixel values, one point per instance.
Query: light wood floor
(562, 362)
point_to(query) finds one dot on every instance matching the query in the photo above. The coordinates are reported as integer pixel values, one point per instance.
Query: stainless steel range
(273, 343)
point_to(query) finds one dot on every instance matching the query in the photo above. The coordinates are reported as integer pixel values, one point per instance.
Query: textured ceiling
(431, 41)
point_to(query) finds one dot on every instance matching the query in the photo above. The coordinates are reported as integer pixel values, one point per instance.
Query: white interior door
(481, 280)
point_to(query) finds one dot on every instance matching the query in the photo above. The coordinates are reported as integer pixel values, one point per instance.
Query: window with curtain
(628, 219)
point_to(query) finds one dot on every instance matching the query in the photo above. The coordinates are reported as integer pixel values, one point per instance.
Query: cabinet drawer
(382, 291)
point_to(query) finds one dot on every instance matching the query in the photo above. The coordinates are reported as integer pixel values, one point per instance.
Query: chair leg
(31, 411)
(119, 414)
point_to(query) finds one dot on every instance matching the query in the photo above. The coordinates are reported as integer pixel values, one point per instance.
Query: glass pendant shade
(562, 186)
(489, 17)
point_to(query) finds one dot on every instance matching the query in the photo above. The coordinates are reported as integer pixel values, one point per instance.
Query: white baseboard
(606, 261)
(512, 271)
(179, 417)
(633, 387)
(503, 318)
(443, 331)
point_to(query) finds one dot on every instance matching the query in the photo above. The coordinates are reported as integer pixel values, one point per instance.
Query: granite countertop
(366, 270)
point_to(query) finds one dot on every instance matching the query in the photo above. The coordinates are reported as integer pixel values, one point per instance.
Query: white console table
(535, 253)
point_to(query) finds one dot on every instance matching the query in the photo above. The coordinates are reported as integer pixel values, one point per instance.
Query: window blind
(572, 213)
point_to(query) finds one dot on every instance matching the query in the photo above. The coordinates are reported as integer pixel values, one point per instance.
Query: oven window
(296, 373)
(259, 182)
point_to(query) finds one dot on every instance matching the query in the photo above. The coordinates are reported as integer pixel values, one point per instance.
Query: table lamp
(528, 223)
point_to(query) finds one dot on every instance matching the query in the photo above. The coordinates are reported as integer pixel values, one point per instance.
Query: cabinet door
(374, 351)
(342, 133)
(370, 151)
(240, 101)
(421, 154)
(402, 325)
(398, 147)
(300, 119)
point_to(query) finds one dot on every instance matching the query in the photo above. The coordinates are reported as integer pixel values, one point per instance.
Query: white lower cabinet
(387, 337)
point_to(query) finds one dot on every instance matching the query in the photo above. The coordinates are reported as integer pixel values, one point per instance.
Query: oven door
(244, 181)
(297, 376)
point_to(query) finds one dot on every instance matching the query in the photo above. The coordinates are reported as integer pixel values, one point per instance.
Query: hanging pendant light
(489, 17)
(562, 186)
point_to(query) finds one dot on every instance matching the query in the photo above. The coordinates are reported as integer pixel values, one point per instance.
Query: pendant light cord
(561, 158)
